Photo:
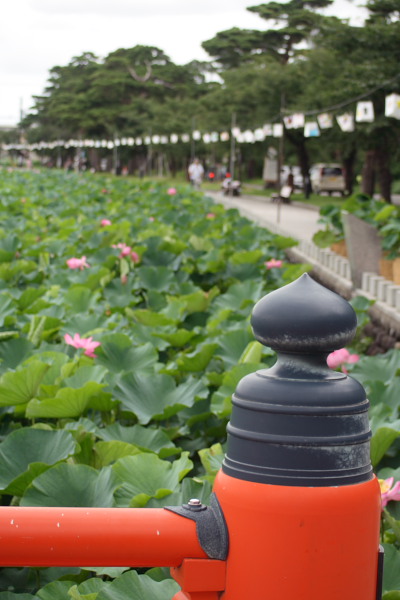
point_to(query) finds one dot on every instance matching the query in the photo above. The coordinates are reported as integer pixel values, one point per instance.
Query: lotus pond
(124, 330)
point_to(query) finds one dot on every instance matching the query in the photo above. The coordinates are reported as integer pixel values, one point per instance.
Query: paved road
(298, 221)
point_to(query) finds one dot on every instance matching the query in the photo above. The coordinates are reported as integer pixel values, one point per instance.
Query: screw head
(194, 502)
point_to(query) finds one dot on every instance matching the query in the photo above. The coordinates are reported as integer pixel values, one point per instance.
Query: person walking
(196, 172)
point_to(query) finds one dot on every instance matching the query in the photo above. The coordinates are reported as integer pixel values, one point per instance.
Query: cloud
(138, 8)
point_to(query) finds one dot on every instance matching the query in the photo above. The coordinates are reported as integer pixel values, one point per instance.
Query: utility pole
(233, 149)
(193, 143)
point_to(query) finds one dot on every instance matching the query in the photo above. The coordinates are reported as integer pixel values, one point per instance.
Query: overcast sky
(36, 35)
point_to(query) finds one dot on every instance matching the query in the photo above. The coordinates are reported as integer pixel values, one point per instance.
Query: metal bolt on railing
(295, 509)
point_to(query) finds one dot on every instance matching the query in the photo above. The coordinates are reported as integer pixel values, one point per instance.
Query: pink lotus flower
(171, 191)
(339, 358)
(87, 343)
(210, 216)
(273, 264)
(389, 491)
(78, 263)
(125, 250)
(105, 222)
(135, 257)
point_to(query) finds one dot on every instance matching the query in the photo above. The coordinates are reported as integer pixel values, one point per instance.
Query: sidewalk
(296, 220)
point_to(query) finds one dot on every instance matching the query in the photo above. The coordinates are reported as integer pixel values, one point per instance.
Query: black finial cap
(300, 423)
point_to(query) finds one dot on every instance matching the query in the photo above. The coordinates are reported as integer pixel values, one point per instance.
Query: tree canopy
(302, 61)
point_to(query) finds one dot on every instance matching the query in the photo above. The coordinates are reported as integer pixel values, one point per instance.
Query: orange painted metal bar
(128, 537)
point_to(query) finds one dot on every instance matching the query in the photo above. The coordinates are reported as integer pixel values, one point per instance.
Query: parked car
(328, 178)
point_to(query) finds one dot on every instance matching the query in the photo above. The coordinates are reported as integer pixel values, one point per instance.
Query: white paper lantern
(206, 138)
(267, 128)
(392, 106)
(311, 129)
(277, 130)
(110, 145)
(131, 141)
(196, 135)
(138, 141)
(365, 112)
(214, 136)
(346, 122)
(164, 139)
(156, 139)
(224, 136)
(185, 137)
(147, 140)
(174, 138)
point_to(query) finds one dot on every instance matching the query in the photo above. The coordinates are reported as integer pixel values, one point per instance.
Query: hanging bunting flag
(325, 121)
(392, 106)
(288, 122)
(224, 136)
(235, 132)
(196, 135)
(249, 137)
(259, 134)
(267, 128)
(311, 129)
(365, 112)
(277, 130)
(346, 122)
(295, 121)
(185, 137)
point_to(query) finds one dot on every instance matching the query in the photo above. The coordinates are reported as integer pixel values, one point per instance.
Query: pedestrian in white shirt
(196, 172)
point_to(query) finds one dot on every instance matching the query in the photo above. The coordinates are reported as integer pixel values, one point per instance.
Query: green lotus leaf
(131, 586)
(198, 360)
(117, 353)
(110, 452)
(13, 352)
(145, 476)
(72, 485)
(68, 402)
(146, 438)
(161, 278)
(19, 387)
(27, 452)
(157, 396)
(81, 299)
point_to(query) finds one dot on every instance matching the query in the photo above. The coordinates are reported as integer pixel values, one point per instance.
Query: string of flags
(364, 113)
